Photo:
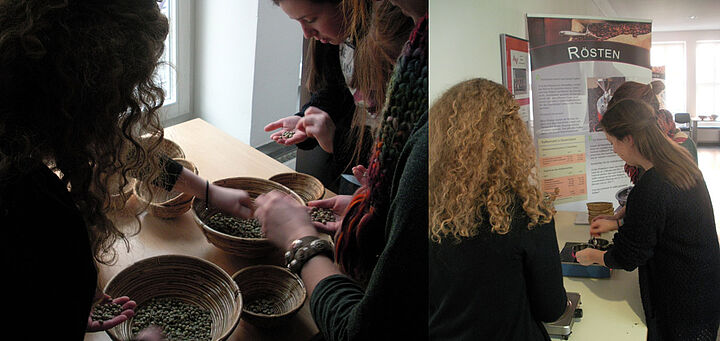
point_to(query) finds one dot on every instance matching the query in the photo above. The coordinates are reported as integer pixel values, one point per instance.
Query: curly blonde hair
(482, 160)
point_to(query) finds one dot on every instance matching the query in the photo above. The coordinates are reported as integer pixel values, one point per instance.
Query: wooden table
(612, 309)
(217, 155)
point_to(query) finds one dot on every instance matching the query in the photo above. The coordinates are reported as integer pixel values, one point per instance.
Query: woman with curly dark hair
(76, 93)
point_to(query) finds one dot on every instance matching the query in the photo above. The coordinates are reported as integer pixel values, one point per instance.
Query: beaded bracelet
(305, 248)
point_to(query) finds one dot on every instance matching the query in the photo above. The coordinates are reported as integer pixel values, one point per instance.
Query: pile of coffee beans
(322, 215)
(177, 319)
(244, 228)
(262, 306)
(288, 134)
(105, 311)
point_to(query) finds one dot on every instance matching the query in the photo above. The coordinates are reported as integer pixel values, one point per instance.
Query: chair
(683, 118)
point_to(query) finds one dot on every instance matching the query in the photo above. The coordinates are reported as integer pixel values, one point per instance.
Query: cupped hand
(283, 219)
(128, 310)
(231, 201)
(338, 204)
(286, 124)
(318, 125)
(600, 226)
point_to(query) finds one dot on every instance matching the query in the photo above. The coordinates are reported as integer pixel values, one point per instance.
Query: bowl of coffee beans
(188, 298)
(272, 294)
(241, 237)
(307, 186)
(161, 203)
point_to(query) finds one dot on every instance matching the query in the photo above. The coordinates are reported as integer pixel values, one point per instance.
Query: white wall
(277, 69)
(465, 35)
(246, 71)
(690, 38)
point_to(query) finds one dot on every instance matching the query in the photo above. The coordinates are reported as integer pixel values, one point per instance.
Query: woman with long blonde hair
(494, 264)
(668, 232)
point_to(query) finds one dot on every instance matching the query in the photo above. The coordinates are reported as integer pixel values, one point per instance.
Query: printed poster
(576, 63)
(516, 66)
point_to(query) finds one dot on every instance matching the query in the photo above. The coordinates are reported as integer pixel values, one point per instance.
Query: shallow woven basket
(306, 186)
(244, 247)
(272, 282)
(186, 278)
(166, 204)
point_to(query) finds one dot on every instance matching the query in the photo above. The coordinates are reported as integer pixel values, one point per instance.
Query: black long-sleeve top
(496, 287)
(669, 234)
(47, 261)
(48, 265)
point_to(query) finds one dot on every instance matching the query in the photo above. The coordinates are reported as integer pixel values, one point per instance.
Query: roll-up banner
(576, 63)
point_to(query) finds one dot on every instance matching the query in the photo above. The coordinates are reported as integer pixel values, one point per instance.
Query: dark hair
(76, 89)
(645, 92)
(633, 117)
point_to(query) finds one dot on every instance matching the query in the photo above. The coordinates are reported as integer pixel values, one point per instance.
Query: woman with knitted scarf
(379, 282)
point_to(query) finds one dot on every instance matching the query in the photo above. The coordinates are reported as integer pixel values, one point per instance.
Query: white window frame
(684, 79)
(715, 84)
(178, 103)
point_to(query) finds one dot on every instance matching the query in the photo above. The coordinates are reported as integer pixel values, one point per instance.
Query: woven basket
(167, 148)
(118, 199)
(244, 247)
(277, 284)
(306, 186)
(166, 204)
(186, 278)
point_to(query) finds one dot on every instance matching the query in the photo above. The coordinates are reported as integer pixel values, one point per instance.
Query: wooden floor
(709, 163)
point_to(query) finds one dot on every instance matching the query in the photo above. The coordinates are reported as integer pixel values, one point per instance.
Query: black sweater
(496, 287)
(48, 265)
(670, 235)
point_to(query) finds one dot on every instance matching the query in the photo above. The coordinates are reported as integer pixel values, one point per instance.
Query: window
(175, 72)
(672, 56)
(165, 73)
(707, 77)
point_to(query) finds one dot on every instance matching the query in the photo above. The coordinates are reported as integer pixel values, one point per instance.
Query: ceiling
(667, 15)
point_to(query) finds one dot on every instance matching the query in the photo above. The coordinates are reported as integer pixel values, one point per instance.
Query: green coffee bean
(245, 228)
(177, 319)
(322, 215)
(263, 306)
(105, 311)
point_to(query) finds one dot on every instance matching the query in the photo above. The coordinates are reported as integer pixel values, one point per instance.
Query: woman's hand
(286, 124)
(360, 173)
(617, 216)
(152, 333)
(590, 256)
(283, 219)
(338, 204)
(231, 201)
(318, 125)
(600, 226)
(128, 310)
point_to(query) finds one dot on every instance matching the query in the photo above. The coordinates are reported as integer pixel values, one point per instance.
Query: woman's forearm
(191, 183)
(315, 270)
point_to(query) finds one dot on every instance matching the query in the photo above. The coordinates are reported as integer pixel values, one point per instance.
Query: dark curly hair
(76, 91)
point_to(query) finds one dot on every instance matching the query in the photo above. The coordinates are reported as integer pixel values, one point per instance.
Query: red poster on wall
(515, 71)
